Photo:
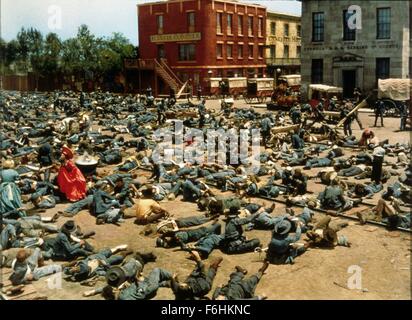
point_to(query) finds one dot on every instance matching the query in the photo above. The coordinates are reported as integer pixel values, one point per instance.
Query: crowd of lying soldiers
(35, 128)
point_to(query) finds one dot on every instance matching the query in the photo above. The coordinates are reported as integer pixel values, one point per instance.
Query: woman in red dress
(70, 179)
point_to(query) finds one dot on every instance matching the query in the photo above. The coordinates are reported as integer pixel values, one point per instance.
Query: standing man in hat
(404, 115)
(265, 125)
(379, 110)
(347, 129)
(234, 241)
(201, 110)
(161, 109)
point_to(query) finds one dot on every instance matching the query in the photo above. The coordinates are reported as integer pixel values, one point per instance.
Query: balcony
(283, 61)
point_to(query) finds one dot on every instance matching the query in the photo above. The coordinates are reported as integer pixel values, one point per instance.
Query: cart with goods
(258, 90)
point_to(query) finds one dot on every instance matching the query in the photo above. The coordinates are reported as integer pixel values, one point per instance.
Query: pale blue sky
(102, 16)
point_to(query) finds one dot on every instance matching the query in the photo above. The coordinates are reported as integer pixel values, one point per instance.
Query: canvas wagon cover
(395, 89)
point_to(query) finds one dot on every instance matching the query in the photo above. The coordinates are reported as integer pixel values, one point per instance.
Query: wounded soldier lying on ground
(199, 283)
(239, 288)
(323, 234)
(96, 264)
(30, 267)
(172, 234)
(386, 212)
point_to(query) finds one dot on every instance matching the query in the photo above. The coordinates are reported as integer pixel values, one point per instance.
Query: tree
(52, 54)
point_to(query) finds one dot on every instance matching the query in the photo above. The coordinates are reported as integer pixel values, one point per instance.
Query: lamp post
(278, 71)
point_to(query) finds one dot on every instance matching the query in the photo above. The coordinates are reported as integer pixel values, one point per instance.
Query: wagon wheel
(391, 109)
(261, 99)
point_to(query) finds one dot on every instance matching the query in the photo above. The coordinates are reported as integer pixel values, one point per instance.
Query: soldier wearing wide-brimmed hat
(234, 241)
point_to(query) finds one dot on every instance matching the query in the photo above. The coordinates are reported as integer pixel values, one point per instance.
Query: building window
(382, 68)
(285, 51)
(260, 27)
(286, 30)
(229, 51)
(250, 26)
(410, 23)
(191, 21)
(240, 51)
(260, 52)
(318, 27)
(299, 31)
(383, 23)
(298, 51)
(348, 34)
(317, 71)
(187, 52)
(219, 50)
(229, 23)
(161, 51)
(240, 25)
(159, 19)
(272, 51)
(250, 51)
(219, 22)
(273, 28)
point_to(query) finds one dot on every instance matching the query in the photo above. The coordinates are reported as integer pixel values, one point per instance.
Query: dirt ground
(384, 257)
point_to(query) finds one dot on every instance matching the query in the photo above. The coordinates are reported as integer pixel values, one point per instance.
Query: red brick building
(199, 39)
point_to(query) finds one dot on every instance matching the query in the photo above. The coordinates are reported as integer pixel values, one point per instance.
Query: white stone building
(354, 46)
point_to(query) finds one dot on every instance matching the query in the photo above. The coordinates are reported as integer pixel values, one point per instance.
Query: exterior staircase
(168, 76)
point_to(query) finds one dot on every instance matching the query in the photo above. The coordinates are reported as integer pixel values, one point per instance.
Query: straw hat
(8, 164)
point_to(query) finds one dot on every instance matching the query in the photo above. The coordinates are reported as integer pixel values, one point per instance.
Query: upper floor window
(261, 52)
(219, 22)
(299, 30)
(191, 21)
(273, 28)
(250, 26)
(317, 71)
(348, 33)
(159, 19)
(286, 30)
(286, 51)
(229, 23)
(272, 51)
(260, 27)
(219, 50)
(298, 51)
(187, 52)
(250, 51)
(240, 51)
(318, 26)
(382, 68)
(229, 51)
(383, 23)
(240, 25)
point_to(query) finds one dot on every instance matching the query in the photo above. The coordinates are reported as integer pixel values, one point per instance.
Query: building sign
(373, 46)
(273, 39)
(176, 37)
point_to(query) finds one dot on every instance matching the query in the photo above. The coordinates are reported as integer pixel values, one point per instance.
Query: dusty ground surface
(383, 256)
